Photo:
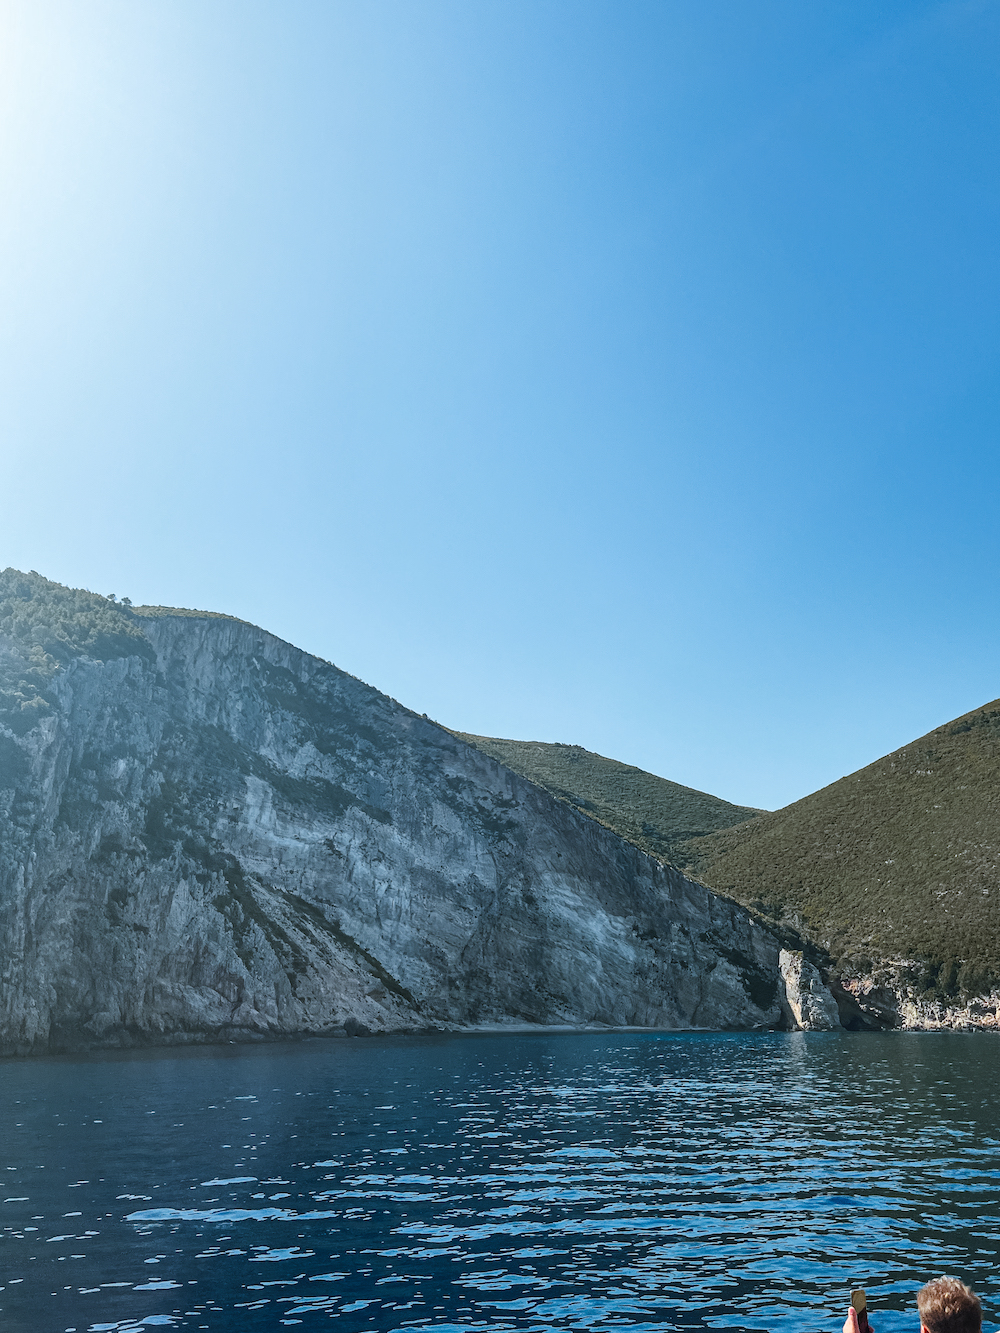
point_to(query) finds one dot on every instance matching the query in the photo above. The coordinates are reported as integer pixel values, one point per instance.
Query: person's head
(948, 1306)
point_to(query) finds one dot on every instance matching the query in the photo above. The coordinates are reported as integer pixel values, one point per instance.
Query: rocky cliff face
(807, 1003)
(886, 995)
(205, 832)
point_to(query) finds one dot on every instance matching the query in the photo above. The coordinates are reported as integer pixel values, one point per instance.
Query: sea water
(530, 1181)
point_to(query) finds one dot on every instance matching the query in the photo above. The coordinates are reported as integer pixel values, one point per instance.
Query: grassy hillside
(655, 814)
(899, 859)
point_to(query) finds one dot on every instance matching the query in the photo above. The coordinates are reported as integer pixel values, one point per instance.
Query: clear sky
(615, 373)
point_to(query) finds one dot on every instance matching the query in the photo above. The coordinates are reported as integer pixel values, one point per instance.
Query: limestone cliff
(807, 1003)
(205, 832)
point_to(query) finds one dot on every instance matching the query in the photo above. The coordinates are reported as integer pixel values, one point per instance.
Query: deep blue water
(541, 1181)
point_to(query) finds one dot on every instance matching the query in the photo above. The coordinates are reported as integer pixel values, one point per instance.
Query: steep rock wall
(807, 1003)
(238, 839)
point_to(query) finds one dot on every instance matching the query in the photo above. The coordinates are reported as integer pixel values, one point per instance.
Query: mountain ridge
(906, 850)
(924, 954)
(207, 834)
(651, 812)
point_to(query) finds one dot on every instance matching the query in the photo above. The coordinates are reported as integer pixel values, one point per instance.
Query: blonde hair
(949, 1306)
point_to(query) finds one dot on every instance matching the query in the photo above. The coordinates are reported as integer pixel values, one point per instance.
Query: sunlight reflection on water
(501, 1182)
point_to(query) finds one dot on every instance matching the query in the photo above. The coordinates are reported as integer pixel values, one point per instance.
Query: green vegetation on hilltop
(47, 625)
(897, 860)
(185, 611)
(653, 813)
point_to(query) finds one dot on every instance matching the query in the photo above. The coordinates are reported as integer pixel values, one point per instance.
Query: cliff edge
(206, 833)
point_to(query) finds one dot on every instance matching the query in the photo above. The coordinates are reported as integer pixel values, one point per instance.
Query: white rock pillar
(807, 1003)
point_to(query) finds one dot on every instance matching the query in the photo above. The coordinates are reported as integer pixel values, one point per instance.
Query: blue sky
(622, 374)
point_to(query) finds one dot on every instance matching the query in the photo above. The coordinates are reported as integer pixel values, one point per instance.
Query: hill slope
(900, 860)
(207, 832)
(653, 813)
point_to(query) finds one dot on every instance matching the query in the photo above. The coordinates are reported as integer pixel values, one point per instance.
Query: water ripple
(530, 1182)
